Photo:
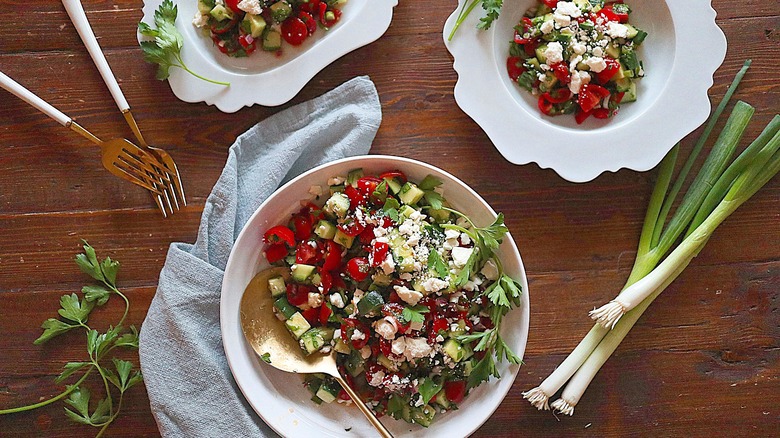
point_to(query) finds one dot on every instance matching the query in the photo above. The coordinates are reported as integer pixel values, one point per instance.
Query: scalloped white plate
(682, 51)
(263, 78)
(279, 397)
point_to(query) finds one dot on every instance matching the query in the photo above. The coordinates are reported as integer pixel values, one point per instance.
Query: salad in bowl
(423, 305)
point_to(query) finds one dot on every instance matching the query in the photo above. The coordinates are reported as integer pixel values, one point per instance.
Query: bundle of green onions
(716, 192)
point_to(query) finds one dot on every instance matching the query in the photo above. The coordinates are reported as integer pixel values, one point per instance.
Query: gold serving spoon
(271, 340)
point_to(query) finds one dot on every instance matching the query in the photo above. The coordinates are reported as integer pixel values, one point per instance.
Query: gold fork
(172, 196)
(120, 157)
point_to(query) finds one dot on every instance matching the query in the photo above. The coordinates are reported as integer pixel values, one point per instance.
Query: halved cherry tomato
(560, 95)
(275, 252)
(561, 71)
(312, 6)
(609, 72)
(309, 21)
(358, 268)
(621, 13)
(367, 235)
(294, 31)
(530, 47)
(379, 252)
(455, 390)
(233, 5)
(305, 254)
(329, 18)
(325, 313)
(587, 98)
(514, 66)
(297, 294)
(302, 224)
(312, 315)
(545, 106)
(394, 312)
(438, 325)
(580, 116)
(332, 256)
(348, 328)
(618, 97)
(278, 234)
(356, 198)
(222, 27)
(394, 174)
(550, 3)
(351, 227)
(602, 113)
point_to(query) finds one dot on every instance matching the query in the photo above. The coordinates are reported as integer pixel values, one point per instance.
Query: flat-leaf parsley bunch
(116, 375)
(492, 10)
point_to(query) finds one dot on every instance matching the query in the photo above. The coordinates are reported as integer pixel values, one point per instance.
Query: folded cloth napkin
(191, 390)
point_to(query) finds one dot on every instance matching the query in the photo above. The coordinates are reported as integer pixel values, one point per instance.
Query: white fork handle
(79, 19)
(26, 95)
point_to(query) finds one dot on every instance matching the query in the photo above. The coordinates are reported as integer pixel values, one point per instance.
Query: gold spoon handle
(364, 409)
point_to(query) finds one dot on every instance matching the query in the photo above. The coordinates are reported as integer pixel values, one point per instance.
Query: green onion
(717, 191)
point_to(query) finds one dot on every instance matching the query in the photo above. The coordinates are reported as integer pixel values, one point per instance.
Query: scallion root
(538, 398)
(609, 314)
(563, 407)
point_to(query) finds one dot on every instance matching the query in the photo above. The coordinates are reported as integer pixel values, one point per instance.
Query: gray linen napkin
(191, 390)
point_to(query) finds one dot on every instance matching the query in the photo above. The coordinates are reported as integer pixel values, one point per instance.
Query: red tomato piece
(330, 17)
(348, 328)
(455, 390)
(332, 256)
(248, 43)
(355, 197)
(309, 21)
(545, 106)
(302, 224)
(305, 254)
(312, 315)
(279, 233)
(358, 268)
(294, 31)
(325, 313)
(580, 116)
(275, 252)
(297, 294)
(394, 174)
(351, 227)
(621, 15)
(602, 113)
(613, 66)
(379, 252)
(326, 280)
(530, 47)
(550, 3)
(438, 325)
(514, 66)
(598, 90)
(587, 99)
(233, 5)
(561, 71)
(560, 95)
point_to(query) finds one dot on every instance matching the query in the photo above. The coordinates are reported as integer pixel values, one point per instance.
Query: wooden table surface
(705, 359)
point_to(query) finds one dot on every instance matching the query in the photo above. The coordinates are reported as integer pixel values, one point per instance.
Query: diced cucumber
(382, 280)
(532, 63)
(621, 73)
(623, 85)
(613, 51)
(337, 205)
(630, 95)
(301, 272)
(284, 307)
(468, 366)
(354, 363)
(272, 40)
(353, 176)
(423, 415)
(297, 325)
(205, 6)
(337, 188)
(442, 400)
(328, 391)
(410, 193)
(312, 341)
(256, 24)
(631, 31)
(582, 4)
(276, 286)
(220, 12)
(385, 362)
(440, 216)
(406, 211)
(639, 38)
(369, 303)
(454, 349)
(280, 11)
(341, 347)
(540, 49)
(548, 82)
(394, 184)
(343, 240)
(325, 229)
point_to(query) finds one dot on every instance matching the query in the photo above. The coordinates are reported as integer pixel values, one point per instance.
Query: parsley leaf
(414, 314)
(436, 263)
(428, 388)
(96, 293)
(70, 368)
(51, 328)
(491, 7)
(79, 400)
(164, 48)
(75, 310)
(266, 357)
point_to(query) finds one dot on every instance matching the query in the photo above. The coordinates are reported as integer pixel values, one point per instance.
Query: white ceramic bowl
(683, 49)
(263, 78)
(280, 398)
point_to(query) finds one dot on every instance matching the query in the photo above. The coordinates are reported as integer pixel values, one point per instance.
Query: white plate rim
(581, 156)
(280, 84)
(241, 359)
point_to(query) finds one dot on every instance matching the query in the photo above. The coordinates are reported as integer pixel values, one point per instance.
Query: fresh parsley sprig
(74, 313)
(492, 10)
(164, 49)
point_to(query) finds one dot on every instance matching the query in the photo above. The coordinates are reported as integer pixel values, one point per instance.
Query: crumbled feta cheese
(434, 284)
(337, 300)
(578, 79)
(553, 53)
(465, 239)
(388, 265)
(315, 299)
(376, 378)
(337, 334)
(460, 256)
(410, 296)
(357, 335)
(380, 232)
(405, 276)
(579, 48)
(616, 30)
(547, 27)
(417, 347)
(416, 325)
(451, 234)
(490, 270)
(399, 346)
(365, 352)
(568, 8)
(596, 64)
(561, 20)
(336, 180)
(315, 190)
(408, 227)
(251, 6)
(385, 328)
(598, 51)
(200, 20)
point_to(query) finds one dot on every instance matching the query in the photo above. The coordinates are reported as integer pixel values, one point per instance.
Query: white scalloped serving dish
(264, 78)
(682, 51)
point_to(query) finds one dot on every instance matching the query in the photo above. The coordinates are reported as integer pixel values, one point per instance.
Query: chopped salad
(407, 291)
(578, 57)
(239, 27)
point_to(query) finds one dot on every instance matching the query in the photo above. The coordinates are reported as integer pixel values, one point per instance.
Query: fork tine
(176, 179)
(129, 173)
